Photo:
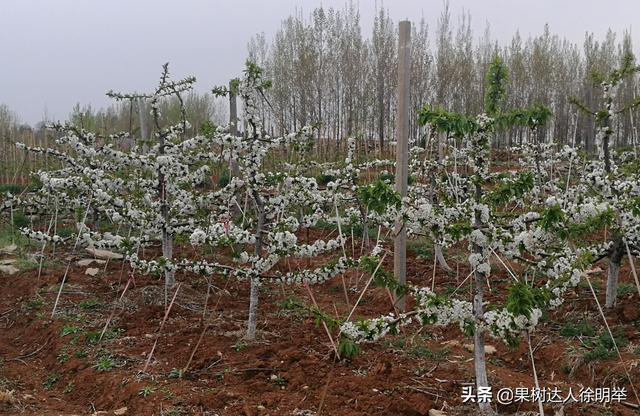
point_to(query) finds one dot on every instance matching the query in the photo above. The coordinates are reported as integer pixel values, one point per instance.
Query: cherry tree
(607, 186)
(469, 209)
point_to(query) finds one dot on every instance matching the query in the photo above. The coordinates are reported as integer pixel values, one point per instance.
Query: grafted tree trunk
(255, 281)
(167, 236)
(167, 252)
(590, 138)
(142, 110)
(478, 317)
(95, 217)
(436, 247)
(617, 251)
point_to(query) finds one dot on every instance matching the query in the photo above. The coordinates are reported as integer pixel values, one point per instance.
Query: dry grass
(8, 400)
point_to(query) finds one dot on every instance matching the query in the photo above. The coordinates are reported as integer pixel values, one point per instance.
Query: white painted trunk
(255, 282)
(167, 253)
(253, 308)
(478, 317)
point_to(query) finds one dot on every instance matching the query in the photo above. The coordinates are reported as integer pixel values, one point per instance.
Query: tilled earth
(60, 366)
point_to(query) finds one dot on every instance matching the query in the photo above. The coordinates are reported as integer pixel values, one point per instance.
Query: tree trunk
(441, 260)
(478, 316)
(255, 281)
(95, 217)
(436, 247)
(167, 236)
(142, 109)
(590, 139)
(167, 253)
(617, 251)
(381, 111)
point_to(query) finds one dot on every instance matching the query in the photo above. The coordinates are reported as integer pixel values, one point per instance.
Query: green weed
(51, 379)
(278, 380)
(69, 329)
(603, 346)
(238, 346)
(105, 363)
(90, 304)
(146, 390)
(69, 387)
(625, 289)
(582, 329)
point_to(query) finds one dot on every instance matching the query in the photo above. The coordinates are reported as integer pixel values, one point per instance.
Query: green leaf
(379, 196)
(520, 300)
(349, 349)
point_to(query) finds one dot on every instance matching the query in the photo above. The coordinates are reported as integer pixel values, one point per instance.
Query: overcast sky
(59, 52)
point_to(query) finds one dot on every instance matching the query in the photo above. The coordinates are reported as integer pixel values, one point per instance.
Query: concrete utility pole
(402, 152)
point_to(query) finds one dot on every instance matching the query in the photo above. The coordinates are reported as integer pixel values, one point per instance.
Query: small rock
(104, 254)
(92, 272)
(8, 249)
(121, 411)
(488, 349)
(9, 269)
(261, 407)
(7, 261)
(86, 262)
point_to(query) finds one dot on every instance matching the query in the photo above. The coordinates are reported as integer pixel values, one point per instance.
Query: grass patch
(90, 304)
(80, 353)
(35, 303)
(69, 329)
(52, 378)
(10, 187)
(294, 304)
(596, 285)
(415, 349)
(93, 337)
(419, 350)
(69, 387)
(625, 289)
(63, 355)
(582, 329)
(603, 346)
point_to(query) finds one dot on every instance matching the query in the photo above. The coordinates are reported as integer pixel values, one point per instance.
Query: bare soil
(290, 369)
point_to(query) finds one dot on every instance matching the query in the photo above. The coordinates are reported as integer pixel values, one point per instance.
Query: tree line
(324, 69)
(116, 118)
